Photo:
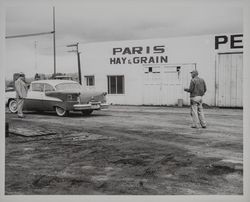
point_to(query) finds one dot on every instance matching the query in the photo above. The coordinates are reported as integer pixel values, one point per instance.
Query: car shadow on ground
(71, 114)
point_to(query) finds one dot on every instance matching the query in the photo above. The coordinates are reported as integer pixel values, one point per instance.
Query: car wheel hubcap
(13, 106)
(60, 111)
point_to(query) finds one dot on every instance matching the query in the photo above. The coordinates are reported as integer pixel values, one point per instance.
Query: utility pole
(78, 60)
(35, 56)
(54, 39)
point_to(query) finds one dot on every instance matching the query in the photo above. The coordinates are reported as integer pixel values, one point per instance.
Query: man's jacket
(197, 87)
(21, 88)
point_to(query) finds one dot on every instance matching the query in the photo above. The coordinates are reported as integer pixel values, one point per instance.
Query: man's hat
(21, 74)
(195, 72)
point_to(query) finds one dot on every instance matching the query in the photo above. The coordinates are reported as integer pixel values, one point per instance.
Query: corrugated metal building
(155, 71)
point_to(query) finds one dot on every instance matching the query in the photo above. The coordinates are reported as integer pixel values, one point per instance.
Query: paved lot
(125, 150)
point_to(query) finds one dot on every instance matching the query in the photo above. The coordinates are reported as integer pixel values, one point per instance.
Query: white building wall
(95, 59)
(199, 50)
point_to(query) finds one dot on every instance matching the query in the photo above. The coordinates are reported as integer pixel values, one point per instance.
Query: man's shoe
(204, 126)
(20, 116)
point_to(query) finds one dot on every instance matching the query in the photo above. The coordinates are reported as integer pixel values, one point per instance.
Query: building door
(163, 85)
(152, 86)
(229, 80)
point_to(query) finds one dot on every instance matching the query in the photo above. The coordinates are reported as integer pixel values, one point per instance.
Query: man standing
(21, 93)
(197, 89)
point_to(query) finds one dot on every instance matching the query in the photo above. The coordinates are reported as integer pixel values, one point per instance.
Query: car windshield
(68, 86)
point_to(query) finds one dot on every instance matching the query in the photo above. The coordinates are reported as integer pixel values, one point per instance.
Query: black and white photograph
(124, 98)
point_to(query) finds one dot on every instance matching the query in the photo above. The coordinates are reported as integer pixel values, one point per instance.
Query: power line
(42, 33)
(28, 35)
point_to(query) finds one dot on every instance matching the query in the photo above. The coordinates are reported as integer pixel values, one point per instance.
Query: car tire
(87, 112)
(12, 105)
(61, 112)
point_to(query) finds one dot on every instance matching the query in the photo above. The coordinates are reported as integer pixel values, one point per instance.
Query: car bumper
(81, 106)
(99, 105)
(93, 106)
(104, 106)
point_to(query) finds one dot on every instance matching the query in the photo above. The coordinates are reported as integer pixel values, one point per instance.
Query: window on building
(90, 80)
(37, 87)
(115, 84)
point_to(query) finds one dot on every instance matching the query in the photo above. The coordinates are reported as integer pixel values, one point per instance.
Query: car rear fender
(64, 96)
(68, 99)
(87, 97)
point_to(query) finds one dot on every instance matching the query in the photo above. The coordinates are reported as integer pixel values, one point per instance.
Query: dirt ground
(126, 150)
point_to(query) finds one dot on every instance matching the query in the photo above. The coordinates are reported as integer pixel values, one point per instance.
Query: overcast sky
(98, 21)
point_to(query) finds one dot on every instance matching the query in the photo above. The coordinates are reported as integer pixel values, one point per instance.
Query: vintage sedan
(61, 96)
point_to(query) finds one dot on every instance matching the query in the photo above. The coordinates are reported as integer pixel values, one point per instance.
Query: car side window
(38, 87)
(48, 87)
